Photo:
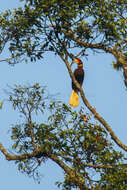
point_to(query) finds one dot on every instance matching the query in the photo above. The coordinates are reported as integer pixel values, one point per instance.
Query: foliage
(66, 135)
(50, 25)
(74, 140)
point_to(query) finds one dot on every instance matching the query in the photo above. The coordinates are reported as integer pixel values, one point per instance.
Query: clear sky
(104, 88)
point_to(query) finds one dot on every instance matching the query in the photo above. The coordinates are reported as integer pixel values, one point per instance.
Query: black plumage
(79, 76)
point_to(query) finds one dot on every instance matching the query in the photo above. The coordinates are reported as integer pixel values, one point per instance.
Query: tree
(69, 138)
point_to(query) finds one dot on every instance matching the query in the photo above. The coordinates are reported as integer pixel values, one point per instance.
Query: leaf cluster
(73, 137)
(42, 26)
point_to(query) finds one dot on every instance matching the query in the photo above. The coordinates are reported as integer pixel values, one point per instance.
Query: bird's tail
(74, 99)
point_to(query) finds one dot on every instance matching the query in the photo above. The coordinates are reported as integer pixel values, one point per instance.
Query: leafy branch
(93, 110)
(65, 138)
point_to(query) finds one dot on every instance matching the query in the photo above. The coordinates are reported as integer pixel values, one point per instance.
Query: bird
(79, 76)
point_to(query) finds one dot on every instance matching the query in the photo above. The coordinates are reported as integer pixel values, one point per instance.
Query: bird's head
(78, 61)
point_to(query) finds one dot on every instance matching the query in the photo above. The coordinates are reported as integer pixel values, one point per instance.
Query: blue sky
(103, 86)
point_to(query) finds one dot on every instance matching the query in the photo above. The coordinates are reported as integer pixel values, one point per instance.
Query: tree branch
(117, 54)
(120, 43)
(76, 179)
(78, 161)
(10, 157)
(93, 110)
(53, 157)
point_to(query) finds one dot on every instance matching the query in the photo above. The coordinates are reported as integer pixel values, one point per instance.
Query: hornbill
(79, 76)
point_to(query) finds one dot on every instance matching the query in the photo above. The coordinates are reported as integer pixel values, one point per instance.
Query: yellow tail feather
(74, 99)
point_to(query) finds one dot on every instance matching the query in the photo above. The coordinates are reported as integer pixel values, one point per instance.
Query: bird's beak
(75, 61)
